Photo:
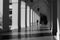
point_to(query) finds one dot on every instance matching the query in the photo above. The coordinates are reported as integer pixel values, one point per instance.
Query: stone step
(25, 35)
(44, 29)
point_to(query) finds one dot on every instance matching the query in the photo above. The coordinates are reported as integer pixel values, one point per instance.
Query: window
(10, 11)
(10, 20)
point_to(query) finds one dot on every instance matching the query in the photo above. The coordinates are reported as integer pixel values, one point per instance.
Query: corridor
(28, 20)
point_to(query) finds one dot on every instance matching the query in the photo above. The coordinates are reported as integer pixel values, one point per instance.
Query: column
(54, 17)
(19, 15)
(51, 15)
(26, 16)
(58, 19)
(22, 14)
(30, 18)
(6, 15)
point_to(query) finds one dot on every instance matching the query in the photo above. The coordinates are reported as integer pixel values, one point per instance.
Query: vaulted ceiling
(39, 6)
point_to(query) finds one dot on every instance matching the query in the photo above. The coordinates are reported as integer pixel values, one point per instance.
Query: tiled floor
(26, 36)
(42, 34)
(35, 38)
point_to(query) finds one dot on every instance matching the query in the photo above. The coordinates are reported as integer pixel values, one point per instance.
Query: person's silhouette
(37, 22)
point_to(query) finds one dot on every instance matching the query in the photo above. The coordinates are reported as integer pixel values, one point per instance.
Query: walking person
(37, 24)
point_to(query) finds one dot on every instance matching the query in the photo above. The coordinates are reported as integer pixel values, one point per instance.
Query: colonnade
(17, 15)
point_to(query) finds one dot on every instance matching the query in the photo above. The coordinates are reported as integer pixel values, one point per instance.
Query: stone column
(54, 17)
(30, 18)
(26, 16)
(19, 15)
(6, 15)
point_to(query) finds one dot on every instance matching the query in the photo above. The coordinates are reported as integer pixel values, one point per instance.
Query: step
(28, 32)
(44, 29)
(25, 35)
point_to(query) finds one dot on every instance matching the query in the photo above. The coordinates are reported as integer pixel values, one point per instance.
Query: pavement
(27, 35)
(31, 33)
